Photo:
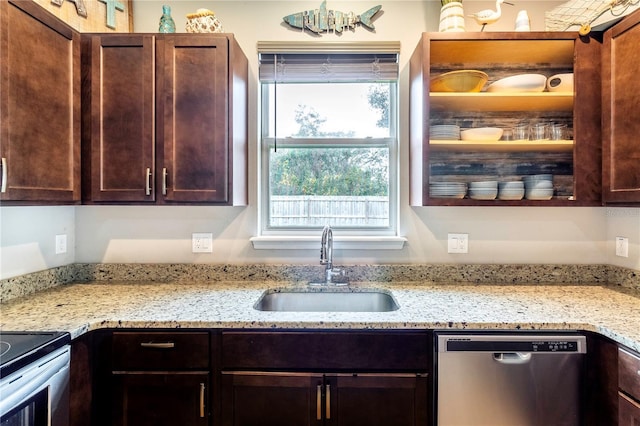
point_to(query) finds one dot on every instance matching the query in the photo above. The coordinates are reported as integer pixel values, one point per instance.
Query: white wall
(162, 234)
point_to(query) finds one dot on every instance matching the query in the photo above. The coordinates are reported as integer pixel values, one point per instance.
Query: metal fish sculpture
(320, 20)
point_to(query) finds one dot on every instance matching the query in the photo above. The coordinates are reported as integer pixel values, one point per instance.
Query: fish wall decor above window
(323, 20)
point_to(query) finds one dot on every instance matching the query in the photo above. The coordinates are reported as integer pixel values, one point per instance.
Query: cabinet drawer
(629, 373)
(380, 351)
(628, 411)
(160, 351)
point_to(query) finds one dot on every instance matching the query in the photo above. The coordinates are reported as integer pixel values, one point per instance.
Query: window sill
(342, 243)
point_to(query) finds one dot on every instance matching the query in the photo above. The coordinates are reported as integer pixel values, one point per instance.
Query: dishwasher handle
(512, 357)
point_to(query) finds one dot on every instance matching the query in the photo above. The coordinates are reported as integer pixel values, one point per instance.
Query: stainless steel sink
(323, 301)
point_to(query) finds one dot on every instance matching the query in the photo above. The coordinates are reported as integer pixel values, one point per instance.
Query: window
(329, 138)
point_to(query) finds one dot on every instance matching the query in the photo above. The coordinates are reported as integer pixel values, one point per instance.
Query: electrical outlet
(458, 243)
(61, 244)
(622, 247)
(202, 242)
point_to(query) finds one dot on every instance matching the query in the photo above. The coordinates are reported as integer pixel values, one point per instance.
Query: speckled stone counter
(78, 308)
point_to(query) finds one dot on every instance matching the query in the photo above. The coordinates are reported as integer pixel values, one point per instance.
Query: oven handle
(19, 386)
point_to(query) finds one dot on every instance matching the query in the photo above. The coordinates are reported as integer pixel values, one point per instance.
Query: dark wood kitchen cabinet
(575, 162)
(325, 378)
(160, 378)
(165, 119)
(620, 100)
(629, 388)
(39, 106)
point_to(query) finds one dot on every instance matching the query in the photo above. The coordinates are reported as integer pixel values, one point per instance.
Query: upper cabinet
(447, 169)
(165, 119)
(620, 102)
(39, 106)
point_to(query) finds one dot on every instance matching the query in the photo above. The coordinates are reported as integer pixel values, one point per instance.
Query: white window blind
(328, 62)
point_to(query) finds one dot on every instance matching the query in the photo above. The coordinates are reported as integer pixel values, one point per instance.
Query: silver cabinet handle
(155, 345)
(201, 400)
(319, 402)
(148, 183)
(3, 188)
(164, 181)
(328, 401)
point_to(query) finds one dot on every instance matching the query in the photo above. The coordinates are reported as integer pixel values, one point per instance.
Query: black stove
(20, 348)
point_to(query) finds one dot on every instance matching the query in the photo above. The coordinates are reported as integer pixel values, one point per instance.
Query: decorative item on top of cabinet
(39, 107)
(621, 91)
(574, 162)
(166, 119)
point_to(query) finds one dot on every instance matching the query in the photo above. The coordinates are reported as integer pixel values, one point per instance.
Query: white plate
(519, 83)
(481, 134)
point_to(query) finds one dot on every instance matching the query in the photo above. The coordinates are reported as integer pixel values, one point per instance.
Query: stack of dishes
(483, 190)
(447, 189)
(513, 190)
(444, 132)
(538, 187)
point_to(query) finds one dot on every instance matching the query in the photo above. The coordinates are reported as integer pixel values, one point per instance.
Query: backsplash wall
(146, 234)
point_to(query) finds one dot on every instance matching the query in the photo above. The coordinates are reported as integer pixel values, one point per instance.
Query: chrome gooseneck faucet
(326, 257)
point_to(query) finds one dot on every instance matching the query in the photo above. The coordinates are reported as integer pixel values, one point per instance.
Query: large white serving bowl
(519, 83)
(481, 134)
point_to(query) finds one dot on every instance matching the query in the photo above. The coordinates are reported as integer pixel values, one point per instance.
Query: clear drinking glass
(538, 131)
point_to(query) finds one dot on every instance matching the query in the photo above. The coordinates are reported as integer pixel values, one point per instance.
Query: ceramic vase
(452, 17)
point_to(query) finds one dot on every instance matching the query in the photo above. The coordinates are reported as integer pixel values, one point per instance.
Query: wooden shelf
(501, 146)
(505, 48)
(483, 101)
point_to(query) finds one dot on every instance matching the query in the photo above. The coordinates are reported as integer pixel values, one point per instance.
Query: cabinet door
(163, 398)
(272, 399)
(39, 106)
(376, 399)
(119, 159)
(193, 91)
(628, 411)
(621, 97)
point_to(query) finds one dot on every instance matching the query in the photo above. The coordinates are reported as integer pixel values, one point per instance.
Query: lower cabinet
(298, 378)
(295, 399)
(160, 378)
(160, 398)
(629, 388)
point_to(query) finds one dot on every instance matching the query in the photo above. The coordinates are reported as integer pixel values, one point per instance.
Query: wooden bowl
(459, 81)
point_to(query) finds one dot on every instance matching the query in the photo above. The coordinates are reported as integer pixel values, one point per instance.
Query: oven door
(38, 394)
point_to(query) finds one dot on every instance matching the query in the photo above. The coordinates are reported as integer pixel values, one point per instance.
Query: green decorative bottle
(167, 25)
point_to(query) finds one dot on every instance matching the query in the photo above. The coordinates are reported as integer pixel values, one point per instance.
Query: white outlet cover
(622, 246)
(61, 243)
(202, 242)
(458, 243)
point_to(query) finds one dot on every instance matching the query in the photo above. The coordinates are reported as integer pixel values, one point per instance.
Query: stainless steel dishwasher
(501, 379)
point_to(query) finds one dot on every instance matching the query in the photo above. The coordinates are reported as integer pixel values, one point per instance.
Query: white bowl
(560, 82)
(481, 134)
(519, 83)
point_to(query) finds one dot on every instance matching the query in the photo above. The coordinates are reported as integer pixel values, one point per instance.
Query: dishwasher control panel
(512, 343)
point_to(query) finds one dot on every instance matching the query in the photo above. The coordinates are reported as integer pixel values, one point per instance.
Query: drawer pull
(3, 188)
(147, 189)
(201, 400)
(328, 401)
(319, 402)
(155, 345)
(164, 181)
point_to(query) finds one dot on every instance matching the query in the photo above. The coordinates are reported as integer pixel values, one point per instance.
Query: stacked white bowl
(483, 190)
(511, 190)
(444, 132)
(538, 187)
(447, 189)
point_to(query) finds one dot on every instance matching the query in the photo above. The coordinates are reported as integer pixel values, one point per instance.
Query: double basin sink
(326, 301)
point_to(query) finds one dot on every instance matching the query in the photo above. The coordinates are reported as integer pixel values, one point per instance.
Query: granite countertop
(78, 308)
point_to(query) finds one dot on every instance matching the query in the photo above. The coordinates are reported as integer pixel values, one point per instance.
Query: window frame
(266, 143)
